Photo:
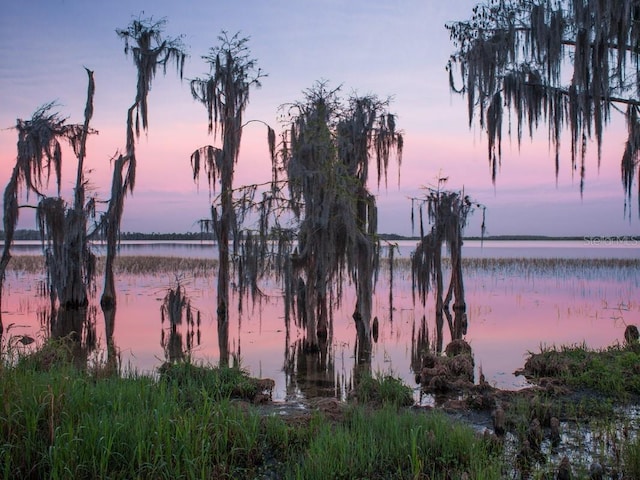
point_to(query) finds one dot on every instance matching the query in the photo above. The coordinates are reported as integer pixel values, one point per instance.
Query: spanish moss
(566, 63)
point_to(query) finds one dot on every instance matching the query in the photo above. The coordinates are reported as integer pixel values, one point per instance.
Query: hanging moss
(326, 152)
(225, 95)
(447, 212)
(145, 42)
(566, 63)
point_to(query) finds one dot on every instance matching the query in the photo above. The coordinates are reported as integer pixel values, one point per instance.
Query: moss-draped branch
(566, 63)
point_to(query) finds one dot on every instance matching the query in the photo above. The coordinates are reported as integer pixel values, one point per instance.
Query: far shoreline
(389, 237)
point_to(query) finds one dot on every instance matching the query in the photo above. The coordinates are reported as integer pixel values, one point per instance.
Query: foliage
(383, 390)
(568, 63)
(149, 48)
(631, 458)
(611, 371)
(63, 423)
(391, 444)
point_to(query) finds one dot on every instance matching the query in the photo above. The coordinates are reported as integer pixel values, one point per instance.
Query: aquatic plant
(176, 305)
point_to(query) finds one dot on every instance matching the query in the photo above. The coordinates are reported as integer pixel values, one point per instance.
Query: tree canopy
(566, 63)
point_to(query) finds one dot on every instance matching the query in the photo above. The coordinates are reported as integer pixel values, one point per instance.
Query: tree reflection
(310, 371)
(419, 344)
(175, 307)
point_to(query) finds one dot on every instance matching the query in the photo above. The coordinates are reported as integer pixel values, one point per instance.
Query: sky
(392, 48)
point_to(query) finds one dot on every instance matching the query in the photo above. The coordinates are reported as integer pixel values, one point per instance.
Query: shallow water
(514, 306)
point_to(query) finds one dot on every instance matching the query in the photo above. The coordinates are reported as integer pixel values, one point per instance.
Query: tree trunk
(223, 342)
(73, 292)
(459, 305)
(109, 328)
(222, 234)
(439, 301)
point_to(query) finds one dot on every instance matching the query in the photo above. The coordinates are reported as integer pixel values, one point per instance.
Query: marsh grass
(631, 458)
(526, 266)
(383, 390)
(613, 371)
(592, 429)
(61, 422)
(592, 392)
(392, 444)
(132, 265)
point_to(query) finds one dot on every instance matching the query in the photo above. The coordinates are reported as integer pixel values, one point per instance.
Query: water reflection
(514, 306)
(175, 307)
(310, 372)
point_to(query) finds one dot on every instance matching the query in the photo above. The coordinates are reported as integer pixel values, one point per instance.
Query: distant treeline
(392, 237)
(35, 235)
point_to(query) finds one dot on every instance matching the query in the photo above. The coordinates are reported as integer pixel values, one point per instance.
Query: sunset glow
(367, 47)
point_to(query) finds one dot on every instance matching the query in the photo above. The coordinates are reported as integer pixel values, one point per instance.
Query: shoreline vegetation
(149, 264)
(61, 420)
(26, 234)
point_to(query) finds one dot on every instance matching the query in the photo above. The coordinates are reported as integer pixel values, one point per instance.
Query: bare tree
(150, 50)
(447, 212)
(225, 95)
(568, 63)
(69, 261)
(326, 151)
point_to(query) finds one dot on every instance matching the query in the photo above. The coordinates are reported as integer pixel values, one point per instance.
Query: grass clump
(219, 383)
(383, 390)
(631, 458)
(613, 372)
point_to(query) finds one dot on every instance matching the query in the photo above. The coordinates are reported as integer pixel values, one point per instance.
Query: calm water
(589, 247)
(514, 307)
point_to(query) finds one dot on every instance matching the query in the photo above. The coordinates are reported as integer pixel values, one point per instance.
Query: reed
(133, 265)
(148, 264)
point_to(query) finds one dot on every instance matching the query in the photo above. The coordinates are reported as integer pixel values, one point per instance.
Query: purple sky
(391, 48)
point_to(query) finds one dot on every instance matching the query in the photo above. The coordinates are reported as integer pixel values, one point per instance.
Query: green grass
(403, 445)
(382, 390)
(58, 422)
(613, 371)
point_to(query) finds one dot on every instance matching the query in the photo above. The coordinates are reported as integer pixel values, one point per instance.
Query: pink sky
(386, 48)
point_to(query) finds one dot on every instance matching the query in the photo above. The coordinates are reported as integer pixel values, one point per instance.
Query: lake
(520, 295)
